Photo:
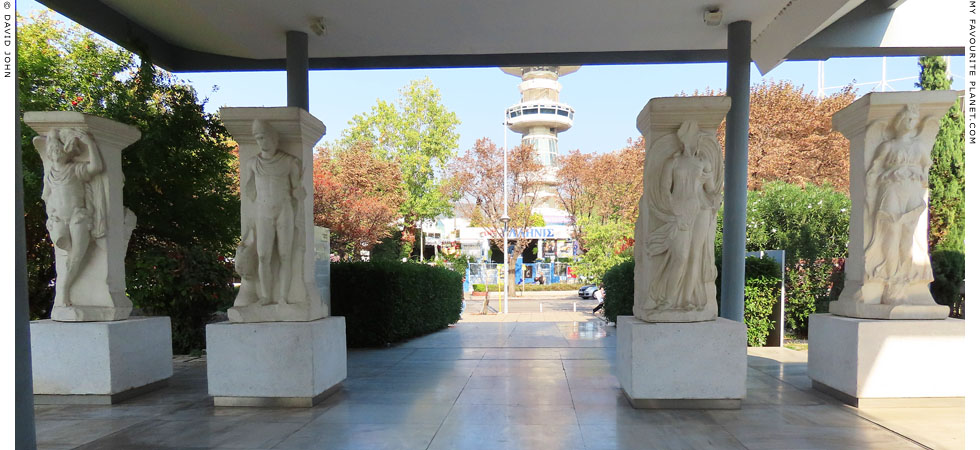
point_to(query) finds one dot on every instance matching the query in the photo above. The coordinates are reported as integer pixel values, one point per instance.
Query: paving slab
(488, 386)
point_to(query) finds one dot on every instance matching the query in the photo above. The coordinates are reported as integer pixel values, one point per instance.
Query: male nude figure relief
(272, 181)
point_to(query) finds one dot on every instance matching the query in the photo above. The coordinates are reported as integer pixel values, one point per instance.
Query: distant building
(538, 117)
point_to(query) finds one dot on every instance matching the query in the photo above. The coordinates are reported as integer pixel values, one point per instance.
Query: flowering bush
(810, 287)
(811, 224)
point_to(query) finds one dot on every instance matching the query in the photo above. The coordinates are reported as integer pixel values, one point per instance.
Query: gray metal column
(24, 433)
(736, 172)
(297, 70)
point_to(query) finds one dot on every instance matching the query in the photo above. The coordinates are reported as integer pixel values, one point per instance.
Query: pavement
(498, 386)
(553, 306)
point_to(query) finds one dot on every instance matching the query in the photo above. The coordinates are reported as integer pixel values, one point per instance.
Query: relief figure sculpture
(75, 196)
(681, 206)
(272, 184)
(898, 183)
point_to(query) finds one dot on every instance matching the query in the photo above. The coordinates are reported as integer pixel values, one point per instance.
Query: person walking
(600, 294)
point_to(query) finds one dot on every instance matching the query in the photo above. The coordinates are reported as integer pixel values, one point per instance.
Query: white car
(588, 291)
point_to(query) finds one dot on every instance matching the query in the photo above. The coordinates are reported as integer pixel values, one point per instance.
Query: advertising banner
(549, 249)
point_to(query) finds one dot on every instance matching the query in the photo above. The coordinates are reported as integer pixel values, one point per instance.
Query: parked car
(587, 291)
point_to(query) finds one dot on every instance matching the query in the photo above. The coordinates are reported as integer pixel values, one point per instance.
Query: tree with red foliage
(356, 195)
(477, 178)
(791, 137)
(598, 189)
(576, 181)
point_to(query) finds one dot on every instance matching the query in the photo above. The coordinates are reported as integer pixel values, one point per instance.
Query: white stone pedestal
(875, 363)
(99, 362)
(276, 364)
(697, 365)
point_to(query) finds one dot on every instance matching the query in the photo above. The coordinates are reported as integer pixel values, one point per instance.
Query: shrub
(808, 222)
(485, 288)
(761, 295)
(189, 284)
(764, 267)
(948, 270)
(811, 224)
(385, 302)
(810, 287)
(458, 263)
(390, 247)
(619, 290)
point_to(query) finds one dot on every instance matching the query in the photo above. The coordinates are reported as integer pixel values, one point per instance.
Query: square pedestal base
(99, 362)
(694, 365)
(880, 363)
(276, 364)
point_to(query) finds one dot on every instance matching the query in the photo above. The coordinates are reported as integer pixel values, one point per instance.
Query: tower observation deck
(539, 117)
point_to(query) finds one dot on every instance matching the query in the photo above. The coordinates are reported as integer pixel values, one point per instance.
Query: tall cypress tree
(947, 210)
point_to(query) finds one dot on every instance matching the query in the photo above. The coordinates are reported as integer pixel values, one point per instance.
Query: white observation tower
(539, 117)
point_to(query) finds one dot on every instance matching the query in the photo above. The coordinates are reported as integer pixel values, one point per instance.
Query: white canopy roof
(195, 35)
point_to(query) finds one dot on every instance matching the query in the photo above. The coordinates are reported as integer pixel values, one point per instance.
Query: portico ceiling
(195, 35)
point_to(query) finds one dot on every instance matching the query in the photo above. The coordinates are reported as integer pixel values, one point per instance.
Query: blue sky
(606, 99)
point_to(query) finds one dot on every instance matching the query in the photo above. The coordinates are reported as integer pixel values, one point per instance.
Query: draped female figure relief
(680, 205)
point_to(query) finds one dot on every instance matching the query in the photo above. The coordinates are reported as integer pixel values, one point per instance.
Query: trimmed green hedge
(761, 294)
(619, 290)
(386, 301)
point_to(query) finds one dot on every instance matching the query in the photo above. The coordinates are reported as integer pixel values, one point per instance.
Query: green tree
(947, 208)
(179, 175)
(420, 134)
(609, 241)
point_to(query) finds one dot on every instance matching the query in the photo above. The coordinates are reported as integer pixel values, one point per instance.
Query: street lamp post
(505, 219)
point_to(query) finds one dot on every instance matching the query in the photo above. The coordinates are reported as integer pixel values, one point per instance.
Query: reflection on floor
(514, 385)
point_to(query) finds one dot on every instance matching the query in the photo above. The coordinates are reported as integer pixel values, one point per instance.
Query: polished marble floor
(516, 385)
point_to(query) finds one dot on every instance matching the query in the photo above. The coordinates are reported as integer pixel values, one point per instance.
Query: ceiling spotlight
(318, 25)
(712, 16)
